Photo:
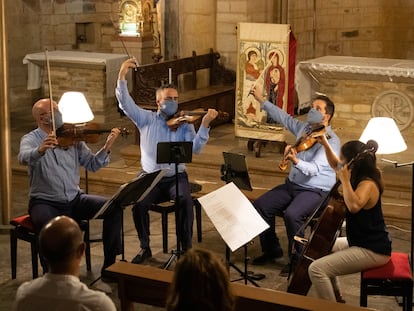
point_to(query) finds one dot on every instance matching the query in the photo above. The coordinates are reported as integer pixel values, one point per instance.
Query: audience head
(61, 245)
(201, 282)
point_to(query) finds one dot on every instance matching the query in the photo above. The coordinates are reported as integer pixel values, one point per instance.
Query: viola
(69, 134)
(305, 142)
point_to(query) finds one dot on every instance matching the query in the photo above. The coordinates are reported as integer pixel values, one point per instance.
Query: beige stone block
(61, 19)
(223, 6)
(200, 7)
(329, 21)
(231, 17)
(326, 35)
(227, 43)
(241, 6)
(103, 7)
(198, 24)
(343, 107)
(226, 28)
(358, 108)
(74, 7)
(329, 4)
(371, 20)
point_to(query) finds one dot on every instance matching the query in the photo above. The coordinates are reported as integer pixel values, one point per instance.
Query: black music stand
(235, 170)
(175, 152)
(130, 193)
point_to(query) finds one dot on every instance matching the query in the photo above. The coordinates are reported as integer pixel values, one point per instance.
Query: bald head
(42, 106)
(61, 242)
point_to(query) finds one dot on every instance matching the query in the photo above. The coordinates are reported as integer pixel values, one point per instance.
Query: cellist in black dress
(367, 243)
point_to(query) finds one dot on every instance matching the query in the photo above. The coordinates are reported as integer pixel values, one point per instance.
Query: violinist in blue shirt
(309, 181)
(54, 178)
(153, 128)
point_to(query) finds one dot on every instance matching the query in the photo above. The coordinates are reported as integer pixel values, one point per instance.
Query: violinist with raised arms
(310, 178)
(153, 129)
(54, 177)
(367, 243)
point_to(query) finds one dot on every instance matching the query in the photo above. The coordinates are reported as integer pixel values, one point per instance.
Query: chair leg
(363, 297)
(13, 252)
(164, 225)
(197, 207)
(86, 239)
(33, 247)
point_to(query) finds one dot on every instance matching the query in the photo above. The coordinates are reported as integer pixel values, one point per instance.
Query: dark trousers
(292, 202)
(84, 206)
(165, 190)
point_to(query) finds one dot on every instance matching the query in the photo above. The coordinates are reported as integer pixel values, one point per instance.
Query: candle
(169, 75)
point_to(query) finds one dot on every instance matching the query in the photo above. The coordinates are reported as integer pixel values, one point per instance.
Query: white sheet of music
(234, 217)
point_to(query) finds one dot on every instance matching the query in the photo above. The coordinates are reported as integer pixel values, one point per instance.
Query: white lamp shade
(75, 108)
(386, 133)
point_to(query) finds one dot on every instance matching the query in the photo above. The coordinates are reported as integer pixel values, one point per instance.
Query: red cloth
(397, 268)
(25, 221)
(291, 83)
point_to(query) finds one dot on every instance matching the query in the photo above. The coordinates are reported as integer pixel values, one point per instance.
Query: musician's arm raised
(331, 155)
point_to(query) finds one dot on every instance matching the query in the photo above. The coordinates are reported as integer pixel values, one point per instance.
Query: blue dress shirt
(154, 129)
(54, 176)
(313, 169)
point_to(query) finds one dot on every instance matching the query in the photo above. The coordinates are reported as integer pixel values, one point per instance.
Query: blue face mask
(168, 108)
(314, 116)
(58, 119)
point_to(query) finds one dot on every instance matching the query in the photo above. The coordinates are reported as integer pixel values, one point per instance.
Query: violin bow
(124, 46)
(50, 93)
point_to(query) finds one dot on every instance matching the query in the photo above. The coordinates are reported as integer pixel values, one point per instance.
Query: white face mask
(314, 116)
(47, 118)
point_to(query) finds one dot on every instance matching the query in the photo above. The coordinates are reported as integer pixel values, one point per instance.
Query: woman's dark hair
(201, 282)
(363, 162)
(249, 55)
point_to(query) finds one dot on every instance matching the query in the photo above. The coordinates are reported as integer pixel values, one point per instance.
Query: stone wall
(229, 13)
(34, 25)
(370, 28)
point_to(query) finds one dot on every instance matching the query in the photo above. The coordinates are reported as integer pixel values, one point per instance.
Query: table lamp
(75, 108)
(386, 133)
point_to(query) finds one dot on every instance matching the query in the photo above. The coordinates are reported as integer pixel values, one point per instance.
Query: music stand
(235, 170)
(130, 193)
(175, 152)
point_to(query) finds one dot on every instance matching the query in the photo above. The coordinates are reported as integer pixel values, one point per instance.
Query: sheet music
(140, 182)
(234, 217)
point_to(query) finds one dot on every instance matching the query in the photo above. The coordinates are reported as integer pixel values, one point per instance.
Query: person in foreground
(153, 129)
(61, 244)
(367, 243)
(309, 181)
(201, 282)
(54, 178)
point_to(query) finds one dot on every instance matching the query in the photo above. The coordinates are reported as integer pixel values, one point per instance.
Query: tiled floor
(205, 170)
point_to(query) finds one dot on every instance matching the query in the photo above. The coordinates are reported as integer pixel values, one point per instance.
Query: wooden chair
(166, 208)
(24, 230)
(391, 279)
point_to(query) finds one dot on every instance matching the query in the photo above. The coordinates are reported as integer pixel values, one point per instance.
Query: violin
(184, 117)
(191, 117)
(305, 142)
(69, 134)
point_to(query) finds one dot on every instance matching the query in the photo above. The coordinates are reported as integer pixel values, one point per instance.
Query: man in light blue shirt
(309, 181)
(54, 179)
(153, 129)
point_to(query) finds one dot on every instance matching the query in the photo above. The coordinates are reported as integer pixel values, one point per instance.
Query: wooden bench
(185, 73)
(149, 285)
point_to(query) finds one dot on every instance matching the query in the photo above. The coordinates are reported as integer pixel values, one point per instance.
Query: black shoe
(143, 255)
(268, 258)
(285, 270)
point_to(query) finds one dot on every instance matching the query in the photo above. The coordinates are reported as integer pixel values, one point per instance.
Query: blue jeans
(84, 206)
(292, 202)
(164, 191)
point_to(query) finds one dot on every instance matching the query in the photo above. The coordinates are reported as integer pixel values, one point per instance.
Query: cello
(325, 232)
